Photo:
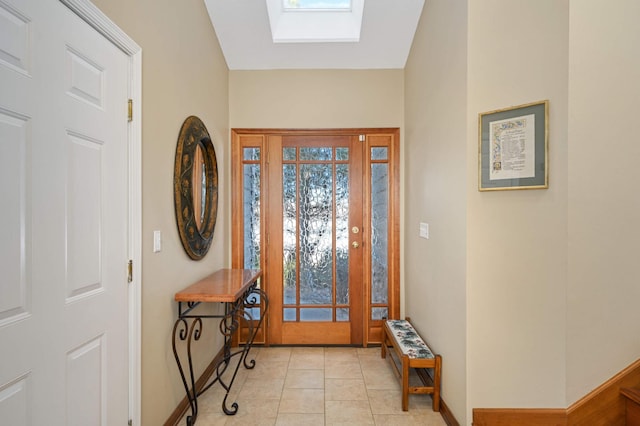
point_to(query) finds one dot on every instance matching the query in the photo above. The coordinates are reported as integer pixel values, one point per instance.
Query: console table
(237, 289)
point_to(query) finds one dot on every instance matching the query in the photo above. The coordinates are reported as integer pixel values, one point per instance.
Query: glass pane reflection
(251, 154)
(316, 236)
(289, 237)
(288, 154)
(251, 219)
(379, 313)
(322, 154)
(379, 153)
(315, 314)
(379, 232)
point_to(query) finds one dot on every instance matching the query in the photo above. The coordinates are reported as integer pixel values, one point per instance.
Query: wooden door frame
(259, 137)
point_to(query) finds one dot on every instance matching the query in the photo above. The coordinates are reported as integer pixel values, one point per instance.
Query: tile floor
(316, 386)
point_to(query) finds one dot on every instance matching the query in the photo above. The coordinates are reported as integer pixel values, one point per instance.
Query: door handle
(355, 244)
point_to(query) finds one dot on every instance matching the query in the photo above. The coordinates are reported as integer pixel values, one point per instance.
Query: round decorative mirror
(195, 188)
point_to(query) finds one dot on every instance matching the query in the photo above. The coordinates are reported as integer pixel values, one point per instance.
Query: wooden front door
(322, 201)
(316, 233)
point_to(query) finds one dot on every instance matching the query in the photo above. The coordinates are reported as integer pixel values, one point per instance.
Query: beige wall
(565, 288)
(316, 98)
(183, 73)
(603, 293)
(517, 240)
(435, 175)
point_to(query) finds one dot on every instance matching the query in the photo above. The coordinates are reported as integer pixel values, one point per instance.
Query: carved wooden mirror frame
(196, 235)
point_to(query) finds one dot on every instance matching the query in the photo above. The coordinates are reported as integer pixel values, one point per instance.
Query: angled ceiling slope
(244, 30)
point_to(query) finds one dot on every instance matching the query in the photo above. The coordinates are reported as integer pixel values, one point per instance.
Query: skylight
(340, 20)
(317, 5)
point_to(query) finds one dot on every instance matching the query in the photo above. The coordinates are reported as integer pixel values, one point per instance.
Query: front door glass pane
(342, 314)
(288, 153)
(379, 232)
(342, 234)
(379, 313)
(342, 154)
(289, 314)
(316, 236)
(322, 154)
(379, 153)
(289, 241)
(315, 314)
(251, 154)
(251, 219)
(316, 195)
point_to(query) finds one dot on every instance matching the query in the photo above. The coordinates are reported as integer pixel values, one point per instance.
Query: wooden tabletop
(225, 285)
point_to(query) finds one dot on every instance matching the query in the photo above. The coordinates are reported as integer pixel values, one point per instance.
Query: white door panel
(14, 38)
(14, 401)
(13, 235)
(63, 222)
(84, 204)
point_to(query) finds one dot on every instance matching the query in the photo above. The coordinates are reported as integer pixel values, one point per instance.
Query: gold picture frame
(513, 147)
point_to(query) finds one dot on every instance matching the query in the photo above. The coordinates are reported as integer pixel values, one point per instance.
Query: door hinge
(130, 109)
(130, 271)
(361, 138)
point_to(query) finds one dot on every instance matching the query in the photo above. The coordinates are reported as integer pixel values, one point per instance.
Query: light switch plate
(157, 241)
(424, 230)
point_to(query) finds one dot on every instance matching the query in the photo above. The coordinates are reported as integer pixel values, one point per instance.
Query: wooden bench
(412, 352)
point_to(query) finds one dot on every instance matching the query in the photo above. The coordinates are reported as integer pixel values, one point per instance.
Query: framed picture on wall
(513, 148)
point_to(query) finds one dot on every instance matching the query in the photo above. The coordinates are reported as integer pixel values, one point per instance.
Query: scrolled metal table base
(189, 327)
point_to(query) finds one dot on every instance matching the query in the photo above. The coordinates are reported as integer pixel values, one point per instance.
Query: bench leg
(386, 342)
(436, 383)
(405, 383)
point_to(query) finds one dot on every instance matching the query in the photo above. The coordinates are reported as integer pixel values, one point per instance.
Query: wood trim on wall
(605, 403)
(603, 406)
(519, 417)
(447, 415)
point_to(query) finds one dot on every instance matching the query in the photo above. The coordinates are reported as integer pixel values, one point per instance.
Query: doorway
(319, 213)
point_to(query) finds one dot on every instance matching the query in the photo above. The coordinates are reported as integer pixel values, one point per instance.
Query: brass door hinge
(130, 271)
(130, 109)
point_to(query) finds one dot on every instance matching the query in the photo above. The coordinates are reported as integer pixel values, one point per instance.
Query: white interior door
(63, 219)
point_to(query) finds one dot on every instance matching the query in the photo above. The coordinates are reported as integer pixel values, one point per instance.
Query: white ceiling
(244, 31)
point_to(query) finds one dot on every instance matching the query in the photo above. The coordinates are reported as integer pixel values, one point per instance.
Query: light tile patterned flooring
(316, 386)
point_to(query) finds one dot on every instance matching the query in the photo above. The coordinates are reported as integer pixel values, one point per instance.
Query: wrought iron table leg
(189, 332)
(250, 299)
(228, 327)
